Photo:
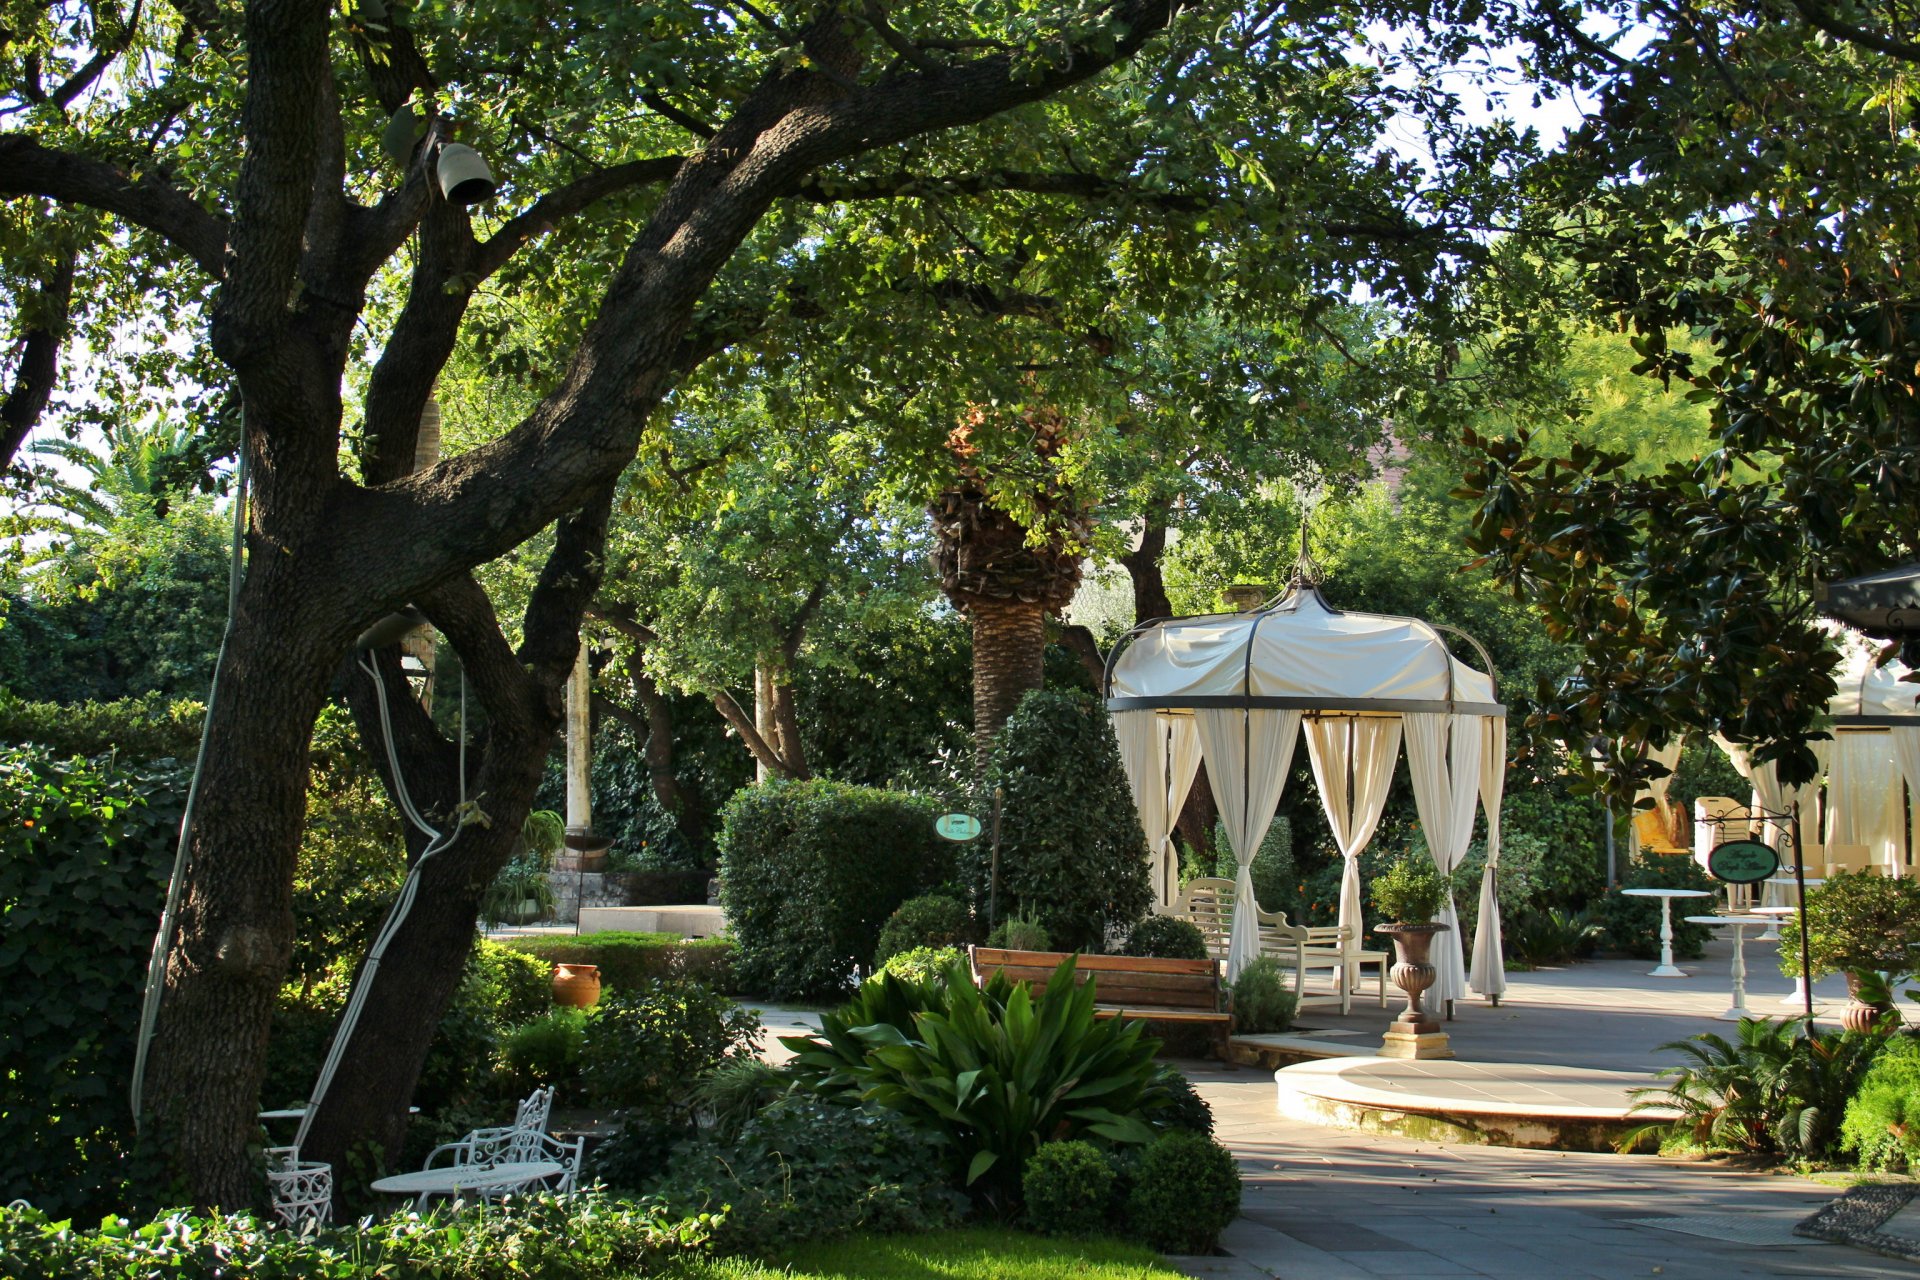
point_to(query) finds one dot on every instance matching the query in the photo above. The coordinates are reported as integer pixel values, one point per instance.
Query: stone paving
(1325, 1204)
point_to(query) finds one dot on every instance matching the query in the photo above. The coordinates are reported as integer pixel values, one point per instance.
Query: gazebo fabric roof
(1301, 653)
(1870, 695)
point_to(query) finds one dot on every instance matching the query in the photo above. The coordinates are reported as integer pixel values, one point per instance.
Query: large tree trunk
(1143, 568)
(1009, 662)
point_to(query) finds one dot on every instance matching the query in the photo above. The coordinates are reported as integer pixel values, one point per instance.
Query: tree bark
(1009, 662)
(1143, 567)
(1198, 814)
(39, 366)
(1079, 641)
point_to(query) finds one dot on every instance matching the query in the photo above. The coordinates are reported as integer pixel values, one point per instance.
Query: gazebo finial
(1306, 573)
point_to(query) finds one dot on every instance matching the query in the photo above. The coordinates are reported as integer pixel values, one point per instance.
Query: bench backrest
(1133, 981)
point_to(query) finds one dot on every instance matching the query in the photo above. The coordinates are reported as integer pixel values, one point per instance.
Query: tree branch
(1821, 18)
(564, 202)
(39, 367)
(29, 169)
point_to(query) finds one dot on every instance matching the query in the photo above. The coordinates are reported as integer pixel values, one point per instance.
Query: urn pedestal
(1415, 1033)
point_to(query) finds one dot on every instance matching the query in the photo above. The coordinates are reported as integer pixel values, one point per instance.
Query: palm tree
(1007, 574)
(138, 463)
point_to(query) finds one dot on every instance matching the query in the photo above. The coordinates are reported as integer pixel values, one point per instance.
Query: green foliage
(930, 920)
(505, 985)
(1167, 937)
(809, 873)
(1072, 854)
(924, 965)
(84, 857)
(1020, 933)
(1632, 925)
(1782, 1087)
(1882, 1122)
(648, 1045)
(1262, 1000)
(632, 959)
(1570, 830)
(1185, 1108)
(990, 1072)
(1186, 1189)
(1272, 870)
(352, 854)
(1857, 920)
(544, 1052)
(1067, 1186)
(1410, 891)
(519, 893)
(586, 1236)
(1523, 862)
(808, 1169)
(1552, 936)
(971, 1253)
(149, 727)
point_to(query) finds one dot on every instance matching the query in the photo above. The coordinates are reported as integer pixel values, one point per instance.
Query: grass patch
(971, 1253)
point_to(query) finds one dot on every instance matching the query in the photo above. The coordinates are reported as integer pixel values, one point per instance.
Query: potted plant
(542, 835)
(1409, 894)
(1862, 924)
(520, 893)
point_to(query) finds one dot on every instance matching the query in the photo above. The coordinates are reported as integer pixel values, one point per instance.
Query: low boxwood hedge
(629, 959)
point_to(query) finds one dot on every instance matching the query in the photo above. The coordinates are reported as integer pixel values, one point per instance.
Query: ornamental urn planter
(1415, 1033)
(1862, 1014)
(576, 986)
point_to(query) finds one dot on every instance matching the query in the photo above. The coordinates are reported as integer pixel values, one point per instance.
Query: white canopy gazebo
(1236, 690)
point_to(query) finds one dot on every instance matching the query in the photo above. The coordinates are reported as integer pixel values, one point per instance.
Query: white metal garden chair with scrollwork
(302, 1190)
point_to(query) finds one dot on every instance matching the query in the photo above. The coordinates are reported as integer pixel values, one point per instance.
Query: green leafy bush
(1882, 1123)
(508, 986)
(1020, 933)
(991, 1072)
(1523, 858)
(924, 964)
(1857, 920)
(1186, 1189)
(586, 1236)
(1410, 891)
(353, 855)
(1184, 1107)
(1779, 1088)
(930, 920)
(1262, 1001)
(1067, 1186)
(1552, 936)
(84, 857)
(146, 728)
(632, 959)
(1071, 850)
(1273, 867)
(1632, 925)
(647, 1046)
(810, 871)
(546, 1051)
(1167, 937)
(807, 1169)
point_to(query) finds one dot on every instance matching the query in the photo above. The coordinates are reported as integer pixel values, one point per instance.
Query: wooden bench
(1128, 986)
(1207, 903)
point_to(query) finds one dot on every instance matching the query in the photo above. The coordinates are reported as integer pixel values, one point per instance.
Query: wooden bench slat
(1142, 987)
(1000, 957)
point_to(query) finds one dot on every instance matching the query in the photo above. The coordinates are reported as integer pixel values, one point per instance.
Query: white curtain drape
(1353, 761)
(1248, 753)
(1143, 753)
(1183, 762)
(1863, 795)
(1443, 758)
(1489, 973)
(1773, 796)
(1906, 753)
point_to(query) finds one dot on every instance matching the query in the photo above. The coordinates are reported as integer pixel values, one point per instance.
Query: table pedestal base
(1667, 971)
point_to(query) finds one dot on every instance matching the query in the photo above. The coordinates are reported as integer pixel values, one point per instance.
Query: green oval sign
(957, 826)
(1742, 862)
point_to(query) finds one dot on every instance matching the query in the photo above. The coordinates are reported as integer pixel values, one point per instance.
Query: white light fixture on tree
(464, 176)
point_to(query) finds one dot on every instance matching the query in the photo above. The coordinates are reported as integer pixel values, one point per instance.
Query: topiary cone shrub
(1072, 854)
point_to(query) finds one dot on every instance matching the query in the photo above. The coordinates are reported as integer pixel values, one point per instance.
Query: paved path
(1326, 1204)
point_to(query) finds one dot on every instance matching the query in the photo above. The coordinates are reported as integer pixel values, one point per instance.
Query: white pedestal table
(1666, 968)
(1738, 1009)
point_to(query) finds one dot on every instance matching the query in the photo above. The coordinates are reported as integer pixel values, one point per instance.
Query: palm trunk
(1009, 662)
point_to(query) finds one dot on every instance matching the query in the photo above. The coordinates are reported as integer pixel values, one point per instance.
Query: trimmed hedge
(809, 873)
(630, 959)
(145, 728)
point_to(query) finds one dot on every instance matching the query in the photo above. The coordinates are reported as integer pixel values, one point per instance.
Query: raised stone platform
(1506, 1104)
(688, 921)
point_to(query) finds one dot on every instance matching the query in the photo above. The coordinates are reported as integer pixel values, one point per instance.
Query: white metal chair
(302, 1190)
(525, 1141)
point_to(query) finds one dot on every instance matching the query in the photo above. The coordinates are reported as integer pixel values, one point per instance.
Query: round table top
(296, 1113)
(1795, 880)
(1729, 920)
(1668, 893)
(1774, 913)
(467, 1178)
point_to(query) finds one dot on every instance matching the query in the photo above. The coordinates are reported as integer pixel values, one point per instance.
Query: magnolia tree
(256, 187)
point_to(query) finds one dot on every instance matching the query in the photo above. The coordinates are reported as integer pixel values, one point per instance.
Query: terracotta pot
(1411, 972)
(1859, 1015)
(576, 985)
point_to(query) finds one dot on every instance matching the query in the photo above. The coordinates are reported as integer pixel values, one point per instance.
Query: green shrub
(546, 1051)
(1410, 891)
(353, 855)
(924, 965)
(810, 871)
(1067, 1186)
(1273, 867)
(665, 886)
(586, 1236)
(992, 1072)
(146, 728)
(1523, 859)
(1552, 936)
(1262, 1000)
(85, 853)
(1632, 925)
(632, 959)
(1071, 850)
(930, 920)
(1882, 1124)
(1167, 937)
(1184, 1108)
(1186, 1189)
(1857, 920)
(647, 1046)
(1019, 933)
(806, 1169)
(510, 987)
